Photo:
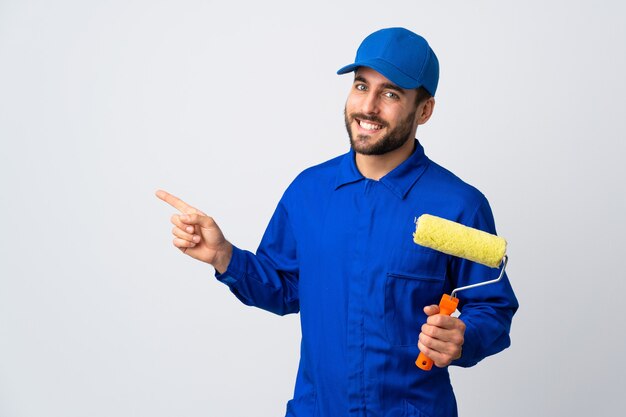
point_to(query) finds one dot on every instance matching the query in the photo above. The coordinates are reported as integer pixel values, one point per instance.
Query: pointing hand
(197, 234)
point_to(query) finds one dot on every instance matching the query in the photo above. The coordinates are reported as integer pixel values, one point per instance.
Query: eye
(360, 87)
(391, 95)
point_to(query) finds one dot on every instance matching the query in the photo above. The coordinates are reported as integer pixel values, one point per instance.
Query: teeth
(368, 126)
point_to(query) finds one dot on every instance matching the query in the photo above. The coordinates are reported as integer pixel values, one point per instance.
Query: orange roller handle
(447, 306)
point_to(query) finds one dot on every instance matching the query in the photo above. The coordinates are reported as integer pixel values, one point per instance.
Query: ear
(425, 110)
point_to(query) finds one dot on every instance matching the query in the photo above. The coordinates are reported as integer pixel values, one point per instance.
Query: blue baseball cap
(404, 57)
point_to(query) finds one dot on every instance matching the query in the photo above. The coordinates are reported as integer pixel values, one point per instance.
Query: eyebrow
(388, 86)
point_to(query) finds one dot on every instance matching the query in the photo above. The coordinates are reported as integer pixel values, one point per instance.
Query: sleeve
(487, 311)
(269, 278)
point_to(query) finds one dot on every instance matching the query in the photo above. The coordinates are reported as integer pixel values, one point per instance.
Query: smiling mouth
(370, 126)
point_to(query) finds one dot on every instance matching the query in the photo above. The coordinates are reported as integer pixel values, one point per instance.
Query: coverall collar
(399, 180)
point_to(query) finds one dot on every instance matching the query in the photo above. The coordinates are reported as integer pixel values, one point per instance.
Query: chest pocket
(406, 295)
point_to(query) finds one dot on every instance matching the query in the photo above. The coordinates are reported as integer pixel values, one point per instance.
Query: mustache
(365, 117)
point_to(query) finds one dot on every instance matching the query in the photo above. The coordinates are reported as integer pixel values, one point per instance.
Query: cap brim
(392, 73)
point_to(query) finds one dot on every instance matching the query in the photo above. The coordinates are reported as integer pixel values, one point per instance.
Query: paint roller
(464, 242)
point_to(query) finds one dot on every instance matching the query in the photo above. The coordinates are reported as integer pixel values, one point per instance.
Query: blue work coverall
(339, 249)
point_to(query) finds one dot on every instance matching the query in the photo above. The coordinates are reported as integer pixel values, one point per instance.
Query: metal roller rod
(480, 284)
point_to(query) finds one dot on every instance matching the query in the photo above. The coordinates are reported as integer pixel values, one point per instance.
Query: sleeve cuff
(468, 354)
(236, 268)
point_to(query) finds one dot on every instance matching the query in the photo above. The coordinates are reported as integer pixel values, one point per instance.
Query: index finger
(175, 202)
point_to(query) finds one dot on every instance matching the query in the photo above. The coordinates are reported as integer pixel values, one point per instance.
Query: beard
(393, 140)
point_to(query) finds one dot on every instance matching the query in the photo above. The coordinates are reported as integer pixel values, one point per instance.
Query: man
(339, 250)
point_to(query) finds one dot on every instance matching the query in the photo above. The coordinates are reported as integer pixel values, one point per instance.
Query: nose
(370, 103)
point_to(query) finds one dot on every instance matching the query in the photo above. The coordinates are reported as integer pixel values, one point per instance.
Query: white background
(103, 102)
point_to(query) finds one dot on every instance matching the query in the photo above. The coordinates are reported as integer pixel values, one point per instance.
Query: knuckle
(433, 332)
(457, 353)
(450, 350)
(456, 341)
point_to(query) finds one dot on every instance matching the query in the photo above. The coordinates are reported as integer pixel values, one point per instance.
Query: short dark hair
(422, 95)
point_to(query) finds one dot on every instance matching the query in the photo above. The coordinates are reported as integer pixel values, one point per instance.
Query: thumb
(431, 310)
